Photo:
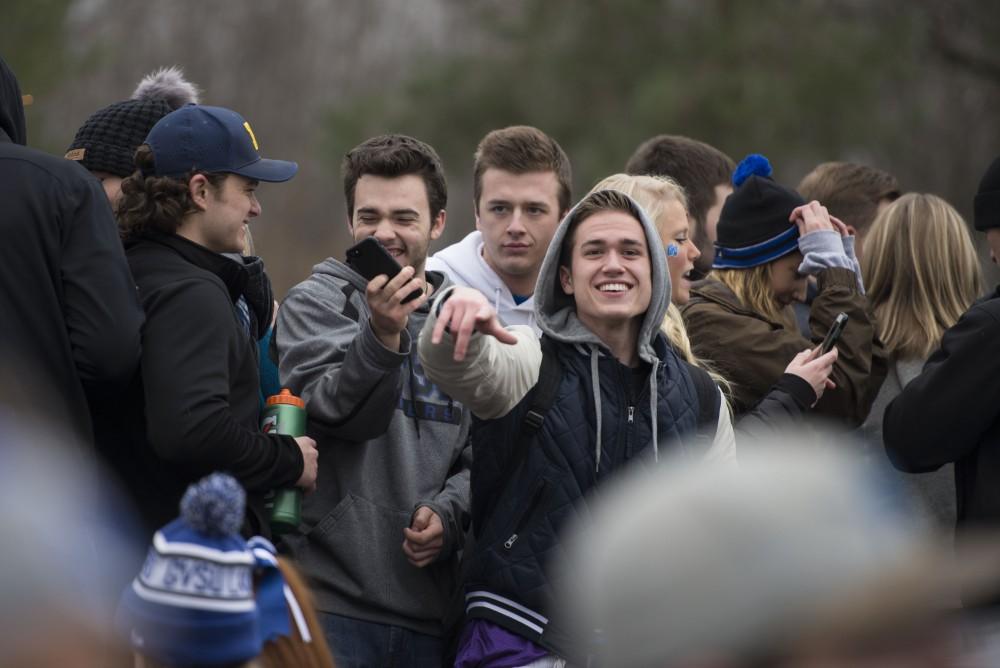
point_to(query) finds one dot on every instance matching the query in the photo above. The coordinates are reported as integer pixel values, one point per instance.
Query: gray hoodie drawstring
(652, 408)
(496, 299)
(595, 381)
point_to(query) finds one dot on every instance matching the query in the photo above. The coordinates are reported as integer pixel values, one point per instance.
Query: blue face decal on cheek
(673, 250)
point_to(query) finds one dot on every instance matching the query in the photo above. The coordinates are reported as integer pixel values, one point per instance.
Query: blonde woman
(769, 241)
(922, 274)
(664, 201)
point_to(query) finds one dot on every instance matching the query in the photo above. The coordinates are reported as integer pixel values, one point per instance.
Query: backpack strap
(544, 395)
(549, 375)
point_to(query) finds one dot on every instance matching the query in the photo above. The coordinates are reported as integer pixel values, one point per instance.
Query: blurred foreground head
(793, 559)
(63, 549)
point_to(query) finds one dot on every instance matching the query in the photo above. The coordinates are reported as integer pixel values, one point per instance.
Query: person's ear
(566, 279)
(437, 224)
(198, 188)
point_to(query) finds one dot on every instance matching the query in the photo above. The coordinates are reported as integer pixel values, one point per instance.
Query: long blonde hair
(653, 193)
(920, 271)
(752, 286)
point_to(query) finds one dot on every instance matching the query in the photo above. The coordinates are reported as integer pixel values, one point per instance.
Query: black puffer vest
(517, 522)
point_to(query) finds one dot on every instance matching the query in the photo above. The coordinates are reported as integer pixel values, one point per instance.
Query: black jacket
(200, 382)
(951, 413)
(518, 520)
(70, 316)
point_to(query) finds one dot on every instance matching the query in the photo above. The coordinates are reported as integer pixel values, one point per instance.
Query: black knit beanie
(108, 139)
(986, 206)
(754, 228)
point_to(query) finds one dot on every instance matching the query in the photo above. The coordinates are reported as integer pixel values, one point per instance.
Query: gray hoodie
(389, 441)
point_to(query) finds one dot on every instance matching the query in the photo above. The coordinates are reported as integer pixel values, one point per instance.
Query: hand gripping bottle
(285, 413)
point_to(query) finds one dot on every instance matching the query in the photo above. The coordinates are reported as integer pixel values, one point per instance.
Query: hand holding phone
(832, 336)
(369, 258)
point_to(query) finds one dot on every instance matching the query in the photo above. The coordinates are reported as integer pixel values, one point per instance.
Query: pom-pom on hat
(193, 602)
(754, 228)
(106, 142)
(986, 206)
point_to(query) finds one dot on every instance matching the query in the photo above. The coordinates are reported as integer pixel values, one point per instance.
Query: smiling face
(609, 275)
(517, 215)
(397, 213)
(787, 284)
(674, 227)
(224, 212)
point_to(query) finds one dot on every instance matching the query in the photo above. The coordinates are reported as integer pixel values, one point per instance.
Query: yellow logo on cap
(246, 126)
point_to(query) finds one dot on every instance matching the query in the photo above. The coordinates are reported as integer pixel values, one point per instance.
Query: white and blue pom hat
(194, 602)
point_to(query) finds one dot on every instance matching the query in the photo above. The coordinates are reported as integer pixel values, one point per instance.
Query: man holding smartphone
(392, 506)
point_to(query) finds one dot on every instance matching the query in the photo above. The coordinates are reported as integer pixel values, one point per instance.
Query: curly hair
(156, 203)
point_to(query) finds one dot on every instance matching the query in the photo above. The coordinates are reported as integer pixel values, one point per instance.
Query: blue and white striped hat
(193, 602)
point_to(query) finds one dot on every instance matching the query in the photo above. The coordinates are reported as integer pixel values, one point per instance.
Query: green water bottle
(285, 414)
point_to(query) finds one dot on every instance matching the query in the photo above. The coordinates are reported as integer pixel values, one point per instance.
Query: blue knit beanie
(193, 603)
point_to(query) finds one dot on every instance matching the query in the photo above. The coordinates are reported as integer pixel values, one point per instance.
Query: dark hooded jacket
(71, 317)
(605, 417)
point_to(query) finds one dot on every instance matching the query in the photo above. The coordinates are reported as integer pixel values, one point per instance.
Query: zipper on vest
(526, 515)
(631, 414)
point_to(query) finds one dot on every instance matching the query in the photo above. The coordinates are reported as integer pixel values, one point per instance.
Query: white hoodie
(464, 264)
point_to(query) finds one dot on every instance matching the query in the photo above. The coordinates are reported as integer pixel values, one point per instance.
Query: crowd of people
(552, 443)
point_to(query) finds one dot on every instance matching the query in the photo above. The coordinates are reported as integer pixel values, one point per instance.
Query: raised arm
(330, 354)
(466, 352)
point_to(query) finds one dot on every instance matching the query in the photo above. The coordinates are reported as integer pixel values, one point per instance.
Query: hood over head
(555, 311)
(12, 127)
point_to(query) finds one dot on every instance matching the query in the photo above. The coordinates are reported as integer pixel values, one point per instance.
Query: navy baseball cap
(213, 140)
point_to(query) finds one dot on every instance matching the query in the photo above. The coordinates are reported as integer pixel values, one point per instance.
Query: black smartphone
(369, 258)
(836, 329)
